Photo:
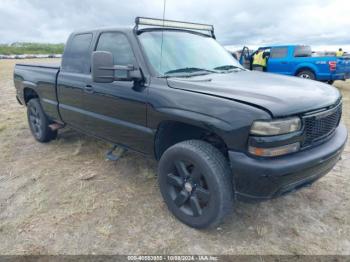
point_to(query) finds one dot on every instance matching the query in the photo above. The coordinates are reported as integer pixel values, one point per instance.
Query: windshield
(184, 52)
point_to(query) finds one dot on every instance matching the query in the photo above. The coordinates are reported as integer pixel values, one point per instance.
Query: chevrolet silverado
(167, 89)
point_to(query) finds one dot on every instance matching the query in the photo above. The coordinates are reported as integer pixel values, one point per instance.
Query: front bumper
(265, 178)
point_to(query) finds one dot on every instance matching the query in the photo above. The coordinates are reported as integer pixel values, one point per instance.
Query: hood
(280, 95)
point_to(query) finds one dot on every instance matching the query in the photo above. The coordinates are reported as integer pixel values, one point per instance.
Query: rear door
(73, 79)
(117, 111)
(278, 61)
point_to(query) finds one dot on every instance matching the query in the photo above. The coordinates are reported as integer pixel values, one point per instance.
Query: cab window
(279, 52)
(302, 51)
(117, 44)
(77, 56)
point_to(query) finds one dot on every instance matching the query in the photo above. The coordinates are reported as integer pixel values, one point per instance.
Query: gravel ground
(65, 198)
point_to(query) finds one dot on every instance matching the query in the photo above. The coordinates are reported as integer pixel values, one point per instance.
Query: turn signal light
(274, 151)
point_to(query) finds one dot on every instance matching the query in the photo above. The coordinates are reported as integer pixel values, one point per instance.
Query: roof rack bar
(173, 24)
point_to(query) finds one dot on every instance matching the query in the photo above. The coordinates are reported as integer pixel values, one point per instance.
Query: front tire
(196, 183)
(38, 122)
(306, 74)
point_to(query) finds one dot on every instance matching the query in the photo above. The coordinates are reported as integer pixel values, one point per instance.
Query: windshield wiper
(189, 70)
(227, 67)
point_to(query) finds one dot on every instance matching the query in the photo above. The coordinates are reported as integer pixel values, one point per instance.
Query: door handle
(284, 62)
(89, 89)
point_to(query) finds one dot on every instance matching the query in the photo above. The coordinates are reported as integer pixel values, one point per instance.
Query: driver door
(117, 110)
(244, 59)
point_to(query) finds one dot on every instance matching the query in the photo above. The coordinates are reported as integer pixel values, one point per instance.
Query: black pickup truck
(168, 89)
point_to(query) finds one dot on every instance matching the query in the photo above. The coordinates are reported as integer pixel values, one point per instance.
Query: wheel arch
(306, 67)
(29, 91)
(171, 132)
(28, 94)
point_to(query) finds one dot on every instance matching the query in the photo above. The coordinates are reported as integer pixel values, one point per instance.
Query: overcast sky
(237, 22)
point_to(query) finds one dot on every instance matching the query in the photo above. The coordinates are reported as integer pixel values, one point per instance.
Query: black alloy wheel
(188, 188)
(35, 121)
(196, 183)
(38, 122)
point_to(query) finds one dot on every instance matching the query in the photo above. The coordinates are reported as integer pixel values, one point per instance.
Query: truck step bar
(110, 153)
(56, 126)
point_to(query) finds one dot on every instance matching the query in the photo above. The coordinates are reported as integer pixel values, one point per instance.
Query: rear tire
(38, 122)
(307, 74)
(196, 183)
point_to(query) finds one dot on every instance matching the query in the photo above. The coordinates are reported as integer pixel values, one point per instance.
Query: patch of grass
(148, 173)
(31, 48)
(2, 128)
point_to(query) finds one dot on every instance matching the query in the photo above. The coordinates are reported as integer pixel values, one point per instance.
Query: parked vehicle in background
(30, 56)
(237, 54)
(298, 60)
(169, 90)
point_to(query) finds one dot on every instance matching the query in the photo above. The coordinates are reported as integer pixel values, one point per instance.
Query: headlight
(276, 127)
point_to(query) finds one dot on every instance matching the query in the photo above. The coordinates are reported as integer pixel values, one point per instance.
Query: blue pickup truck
(298, 60)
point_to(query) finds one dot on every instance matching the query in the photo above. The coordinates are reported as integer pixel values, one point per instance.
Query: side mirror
(104, 71)
(102, 67)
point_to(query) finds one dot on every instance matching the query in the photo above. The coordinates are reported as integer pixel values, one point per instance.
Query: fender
(197, 119)
(225, 121)
(221, 128)
(193, 123)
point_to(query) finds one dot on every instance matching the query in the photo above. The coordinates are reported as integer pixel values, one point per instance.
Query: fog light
(274, 151)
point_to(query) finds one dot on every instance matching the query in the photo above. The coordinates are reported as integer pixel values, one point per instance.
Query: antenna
(161, 45)
(164, 10)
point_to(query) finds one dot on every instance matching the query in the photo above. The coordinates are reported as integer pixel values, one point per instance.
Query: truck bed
(42, 65)
(323, 72)
(43, 79)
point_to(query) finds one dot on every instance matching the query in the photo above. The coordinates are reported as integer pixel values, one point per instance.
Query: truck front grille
(321, 125)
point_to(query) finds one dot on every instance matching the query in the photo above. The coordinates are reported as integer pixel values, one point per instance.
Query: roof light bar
(173, 24)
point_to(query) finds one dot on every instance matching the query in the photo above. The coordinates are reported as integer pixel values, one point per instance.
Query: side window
(279, 52)
(77, 56)
(302, 51)
(119, 46)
